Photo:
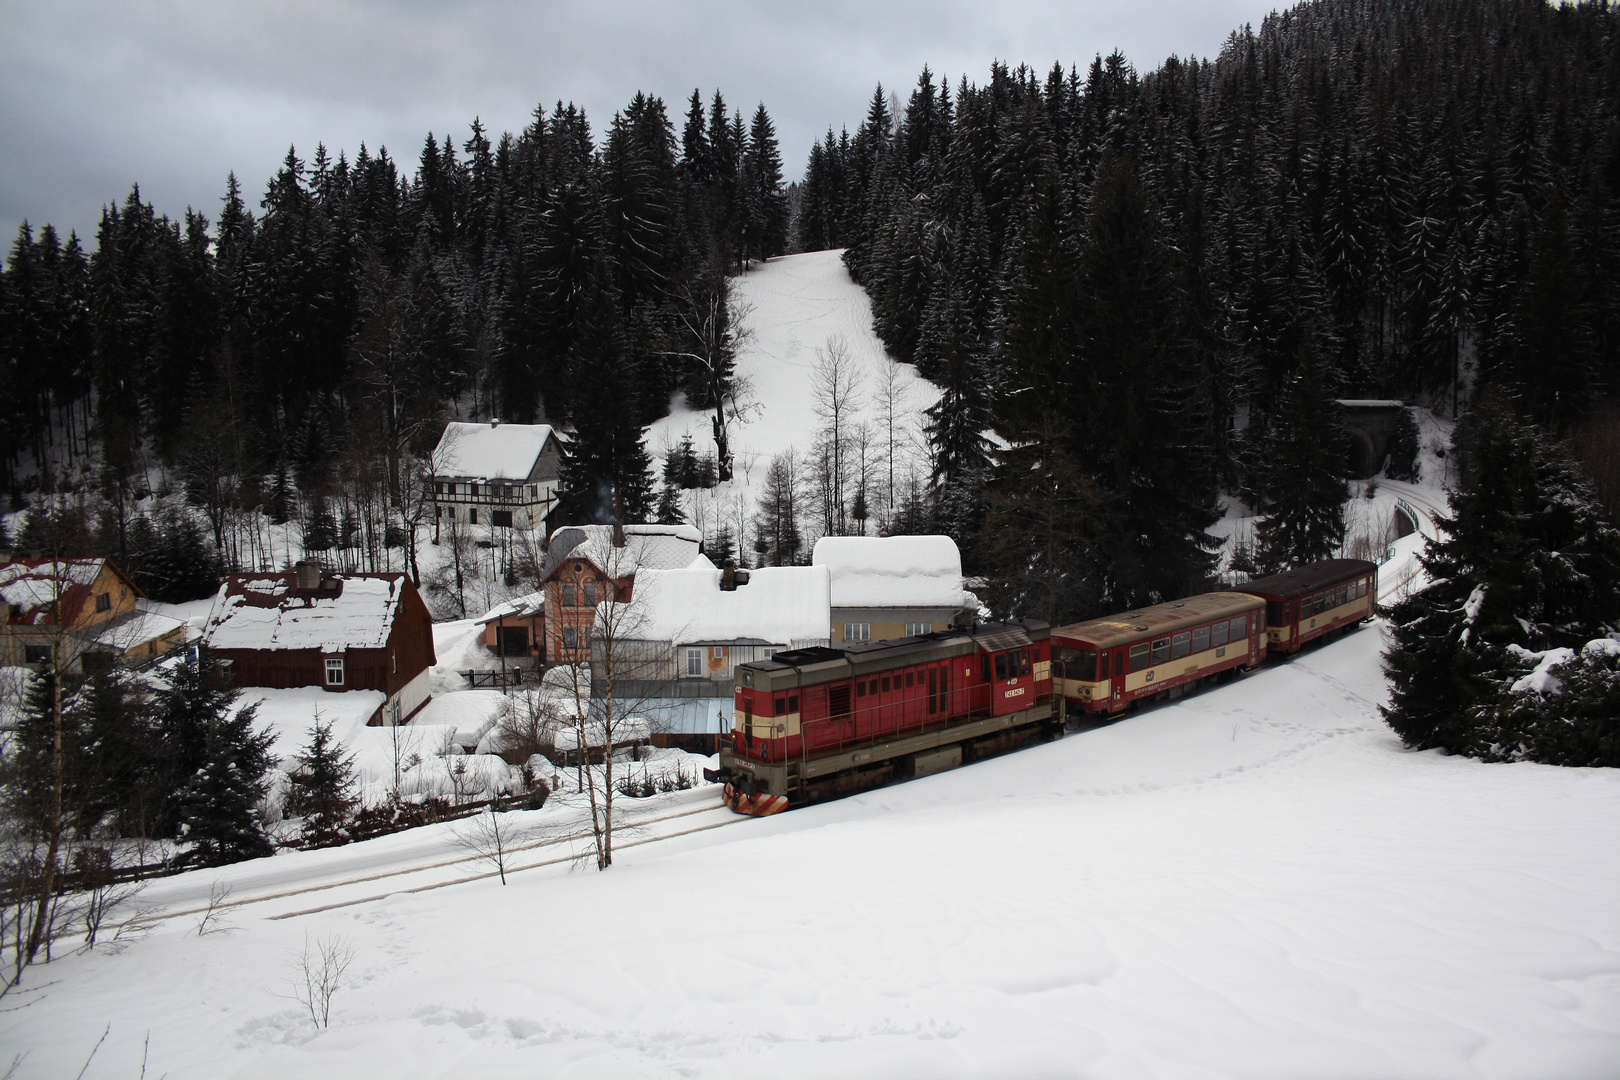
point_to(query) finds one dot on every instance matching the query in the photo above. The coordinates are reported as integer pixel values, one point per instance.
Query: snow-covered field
(1255, 882)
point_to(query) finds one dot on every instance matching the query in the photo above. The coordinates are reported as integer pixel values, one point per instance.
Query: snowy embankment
(1255, 882)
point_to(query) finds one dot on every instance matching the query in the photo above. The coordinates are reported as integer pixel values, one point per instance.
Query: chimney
(308, 575)
(494, 421)
(618, 522)
(728, 578)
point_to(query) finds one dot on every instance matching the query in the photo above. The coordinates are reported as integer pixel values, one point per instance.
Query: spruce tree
(1404, 448)
(1527, 562)
(1302, 478)
(322, 780)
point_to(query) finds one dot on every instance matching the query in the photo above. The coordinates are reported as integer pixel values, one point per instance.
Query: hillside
(1255, 882)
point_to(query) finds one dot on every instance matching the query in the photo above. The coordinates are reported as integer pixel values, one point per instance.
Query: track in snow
(442, 872)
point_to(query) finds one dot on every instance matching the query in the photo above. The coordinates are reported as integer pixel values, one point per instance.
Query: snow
(127, 631)
(417, 748)
(646, 547)
(1255, 882)
(779, 605)
(361, 617)
(30, 587)
(489, 452)
(469, 714)
(893, 571)
(794, 307)
(1540, 679)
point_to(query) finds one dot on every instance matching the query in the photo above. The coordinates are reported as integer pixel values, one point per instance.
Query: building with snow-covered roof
(497, 474)
(684, 633)
(588, 564)
(83, 607)
(340, 632)
(515, 629)
(886, 587)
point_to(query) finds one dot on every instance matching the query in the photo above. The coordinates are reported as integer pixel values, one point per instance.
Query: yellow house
(83, 607)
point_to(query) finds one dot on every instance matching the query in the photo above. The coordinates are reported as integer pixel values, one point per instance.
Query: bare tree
(892, 394)
(836, 384)
(714, 324)
(213, 918)
(318, 975)
(492, 837)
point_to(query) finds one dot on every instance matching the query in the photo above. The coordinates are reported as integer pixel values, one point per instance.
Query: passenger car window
(1161, 650)
(1139, 656)
(1183, 645)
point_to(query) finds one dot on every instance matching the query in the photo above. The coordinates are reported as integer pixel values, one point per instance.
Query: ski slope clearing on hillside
(794, 307)
(1255, 882)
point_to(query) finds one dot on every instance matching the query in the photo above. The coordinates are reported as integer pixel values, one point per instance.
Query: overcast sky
(173, 95)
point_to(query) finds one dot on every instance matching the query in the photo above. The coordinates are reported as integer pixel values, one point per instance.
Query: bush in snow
(1565, 709)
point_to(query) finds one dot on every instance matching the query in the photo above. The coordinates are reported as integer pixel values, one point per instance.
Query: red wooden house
(338, 631)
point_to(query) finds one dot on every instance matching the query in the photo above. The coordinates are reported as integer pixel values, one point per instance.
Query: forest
(1136, 290)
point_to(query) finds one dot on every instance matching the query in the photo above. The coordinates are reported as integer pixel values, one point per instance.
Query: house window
(590, 596)
(334, 672)
(394, 656)
(472, 490)
(570, 638)
(694, 661)
(104, 601)
(438, 489)
(570, 594)
(501, 518)
(857, 631)
(472, 515)
(37, 654)
(719, 652)
(767, 652)
(918, 629)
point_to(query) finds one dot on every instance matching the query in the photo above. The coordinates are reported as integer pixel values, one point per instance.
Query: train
(821, 722)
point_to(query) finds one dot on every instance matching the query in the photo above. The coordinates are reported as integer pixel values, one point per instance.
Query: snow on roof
(490, 451)
(778, 606)
(893, 571)
(520, 606)
(133, 629)
(266, 613)
(646, 547)
(30, 586)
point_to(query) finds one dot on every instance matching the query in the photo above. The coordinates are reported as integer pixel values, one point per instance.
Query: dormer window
(104, 601)
(334, 671)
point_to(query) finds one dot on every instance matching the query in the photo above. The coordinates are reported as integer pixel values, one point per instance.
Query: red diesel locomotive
(818, 722)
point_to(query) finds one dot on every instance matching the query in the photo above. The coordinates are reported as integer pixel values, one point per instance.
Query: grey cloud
(95, 96)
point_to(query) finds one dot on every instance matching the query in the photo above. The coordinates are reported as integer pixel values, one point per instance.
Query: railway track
(555, 848)
(1425, 512)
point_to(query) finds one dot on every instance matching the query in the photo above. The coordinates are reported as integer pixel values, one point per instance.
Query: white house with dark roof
(504, 475)
(887, 587)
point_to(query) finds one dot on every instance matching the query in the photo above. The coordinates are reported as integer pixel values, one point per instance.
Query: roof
(133, 629)
(1159, 619)
(833, 663)
(31, 586)
(493, 451)
(893, 571)
(778, 606)
(1309, 578)
(519, 607)
(646, 547)
(267, 611)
